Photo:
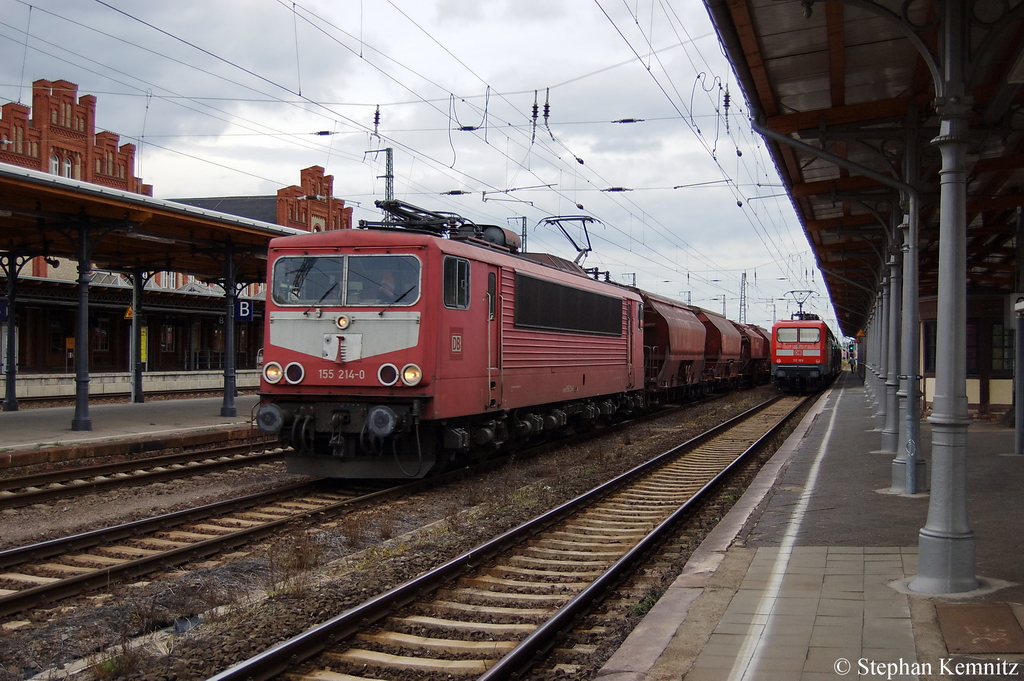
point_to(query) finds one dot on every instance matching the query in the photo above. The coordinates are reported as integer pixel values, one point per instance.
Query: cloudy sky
(633, 124)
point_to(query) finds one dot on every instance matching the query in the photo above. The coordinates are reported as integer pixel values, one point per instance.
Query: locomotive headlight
(272, 372)
(294, 373)
(342, 322)
(387, 374)
(411, 375)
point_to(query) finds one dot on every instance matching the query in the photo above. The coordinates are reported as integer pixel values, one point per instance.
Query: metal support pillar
(1018, 345)
(891, 429)
(139, 279)
(946, 542)
(228, 406)
(1018, 386)
(876, 347)
(11, 361)
(869, 351)
(908, 469)
(12, 264)
(865, 357)
(82, 420)
(883, 352)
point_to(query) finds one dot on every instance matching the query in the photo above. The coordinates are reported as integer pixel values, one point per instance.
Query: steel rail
(302, 647)
(26, 598)
(542, 639)
(85, 540)
(83, 472)
(87, 486)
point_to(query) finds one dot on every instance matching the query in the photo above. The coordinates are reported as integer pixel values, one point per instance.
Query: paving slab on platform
(806, 577)
(980, 628)
(44, 427)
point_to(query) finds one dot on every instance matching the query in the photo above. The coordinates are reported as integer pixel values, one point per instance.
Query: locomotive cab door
(493, 301)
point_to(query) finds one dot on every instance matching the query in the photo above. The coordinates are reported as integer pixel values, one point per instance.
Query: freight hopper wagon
(403, 348)
(674, 340)
(723, 351)
(805, 354)
(755, 354)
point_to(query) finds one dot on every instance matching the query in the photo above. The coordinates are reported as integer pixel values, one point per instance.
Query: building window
(101, 341)
(167, 338)
(67, 168)
(972, 346)
(57, 339)
(55, 165)
(1002, 347)
(928, 334)
(929, 331)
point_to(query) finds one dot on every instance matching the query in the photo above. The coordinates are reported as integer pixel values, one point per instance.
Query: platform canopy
(42, 214)
(847, 78)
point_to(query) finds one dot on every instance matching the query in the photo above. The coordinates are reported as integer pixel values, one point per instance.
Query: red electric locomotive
(394, 352)
(805, 354)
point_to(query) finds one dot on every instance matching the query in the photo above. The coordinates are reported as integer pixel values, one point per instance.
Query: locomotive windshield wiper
(317, 303)
(396, 300)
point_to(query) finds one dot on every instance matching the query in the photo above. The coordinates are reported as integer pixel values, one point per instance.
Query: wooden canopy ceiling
(43, 214)
(847, 77)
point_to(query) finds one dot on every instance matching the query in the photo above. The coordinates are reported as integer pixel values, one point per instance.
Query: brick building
(183, 316)
(310, 205)
(58, 136)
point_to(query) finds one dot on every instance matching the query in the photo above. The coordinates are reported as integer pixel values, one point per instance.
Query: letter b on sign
(243, 310)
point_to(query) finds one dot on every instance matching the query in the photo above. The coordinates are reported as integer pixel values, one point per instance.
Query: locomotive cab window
(308, 280)
(350, 280)
(456, 283)
(793, 334)
(786, 334)
(810, 335)
(382, 280)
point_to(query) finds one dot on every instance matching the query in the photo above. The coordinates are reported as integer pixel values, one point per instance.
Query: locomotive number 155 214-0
(342, 374)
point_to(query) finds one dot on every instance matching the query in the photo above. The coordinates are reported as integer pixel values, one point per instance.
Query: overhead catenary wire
(554, 152)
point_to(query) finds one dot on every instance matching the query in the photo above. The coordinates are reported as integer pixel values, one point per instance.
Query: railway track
(43, 573)
(490, 612)
(33, 489)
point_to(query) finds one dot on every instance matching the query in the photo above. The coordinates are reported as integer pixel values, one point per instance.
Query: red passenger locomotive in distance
(406, 347)
(805, 354)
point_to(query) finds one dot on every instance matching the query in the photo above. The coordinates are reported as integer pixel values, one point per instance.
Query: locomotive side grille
(525, 348)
